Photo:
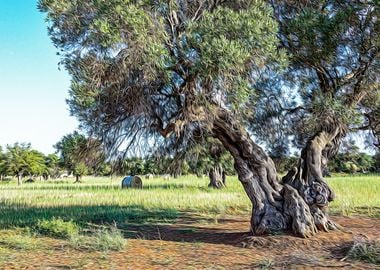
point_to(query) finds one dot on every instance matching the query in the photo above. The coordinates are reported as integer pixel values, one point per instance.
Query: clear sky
(32, 89)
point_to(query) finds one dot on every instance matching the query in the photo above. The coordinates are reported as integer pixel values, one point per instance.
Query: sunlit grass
(102, 199)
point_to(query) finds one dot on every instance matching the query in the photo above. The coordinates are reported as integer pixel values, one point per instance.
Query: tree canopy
(158, 67)
(333, 73)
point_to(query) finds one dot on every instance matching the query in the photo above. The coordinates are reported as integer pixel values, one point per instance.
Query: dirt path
(195, 243)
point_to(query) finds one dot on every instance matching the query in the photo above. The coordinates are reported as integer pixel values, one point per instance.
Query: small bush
(57, 228)
(102, 240)
(368, 251)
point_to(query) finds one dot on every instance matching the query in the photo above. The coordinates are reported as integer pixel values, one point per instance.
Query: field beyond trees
(170, 223)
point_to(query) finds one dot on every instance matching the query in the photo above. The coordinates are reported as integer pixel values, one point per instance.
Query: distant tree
(350, 160)
(3, 164)
(69, 148)
(151, 166)
(104, 169)
(36, 161)
(212, 159)
(365, 162)
(52, 162)
(80, 169)
(77, 151)
(21, 160)
(134, 166)
(284, 163)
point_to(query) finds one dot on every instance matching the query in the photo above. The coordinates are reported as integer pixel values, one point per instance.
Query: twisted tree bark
(307, 177)
(299, 203)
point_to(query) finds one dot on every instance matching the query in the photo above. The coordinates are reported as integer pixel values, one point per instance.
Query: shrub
(368, 251)
(57, 228)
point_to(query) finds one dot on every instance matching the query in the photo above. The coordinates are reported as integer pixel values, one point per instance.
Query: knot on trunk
(318, 193)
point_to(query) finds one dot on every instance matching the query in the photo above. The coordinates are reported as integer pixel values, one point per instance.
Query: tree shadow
(22, 215)
(92, 187)
(186, 233)
(135, 221)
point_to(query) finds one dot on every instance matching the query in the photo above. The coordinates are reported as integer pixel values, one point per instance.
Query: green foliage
(80, 155)
(210, 154)
(328, 43)
(318, 34)
(228, 43)
(285, 164)
(80, 169)
(352, 163)
(350, 167)
(227, 40)
(3, 164)
(104, 169)
(52, 163)
(57, 228)
(69, 148)
(21, 160)
(323, 107)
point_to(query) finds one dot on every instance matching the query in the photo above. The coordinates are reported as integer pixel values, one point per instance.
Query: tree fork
(307, 177)
(276, 207)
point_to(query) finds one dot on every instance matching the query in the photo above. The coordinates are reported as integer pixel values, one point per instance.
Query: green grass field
(97, 224)
(101, 200)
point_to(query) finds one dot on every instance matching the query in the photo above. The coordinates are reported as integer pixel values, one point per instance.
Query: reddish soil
(192, 243)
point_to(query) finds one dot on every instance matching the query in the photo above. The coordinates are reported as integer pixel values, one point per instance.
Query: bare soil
(195, 242)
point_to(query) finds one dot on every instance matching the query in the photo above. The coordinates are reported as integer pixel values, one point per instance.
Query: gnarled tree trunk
(277, 207)
(217, 177)
(307, 177)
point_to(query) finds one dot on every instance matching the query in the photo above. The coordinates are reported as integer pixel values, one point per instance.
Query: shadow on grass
(15, 215)
(135, 222)
(92, 187)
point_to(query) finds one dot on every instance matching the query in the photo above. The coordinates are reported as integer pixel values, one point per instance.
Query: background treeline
(21, 161)
(342, 163)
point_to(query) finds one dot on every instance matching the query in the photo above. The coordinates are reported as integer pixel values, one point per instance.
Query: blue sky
(32, 89)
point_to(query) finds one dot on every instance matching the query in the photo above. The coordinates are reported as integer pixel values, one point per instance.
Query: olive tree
(159, 75)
